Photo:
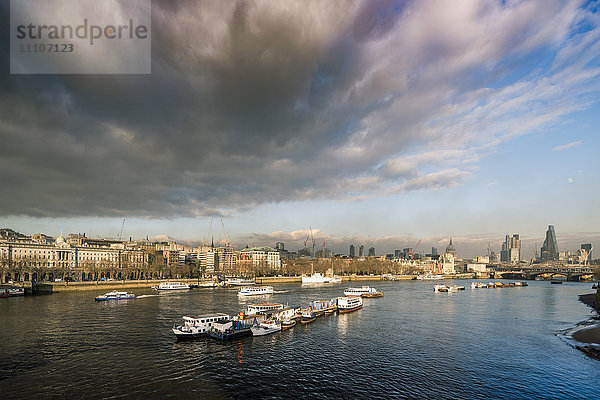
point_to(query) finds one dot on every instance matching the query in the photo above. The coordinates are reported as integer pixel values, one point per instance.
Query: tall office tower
(352, 251)
(549, 251)
(504, 251)
(397, 253)
(280, 246)
(371, 251)
(361, 251)
(587, 247)
(514, 255)
(434, 251)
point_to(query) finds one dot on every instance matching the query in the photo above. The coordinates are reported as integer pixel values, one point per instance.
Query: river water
(412, 343)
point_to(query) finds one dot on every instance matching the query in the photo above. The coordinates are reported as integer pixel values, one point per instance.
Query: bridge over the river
(573, 273)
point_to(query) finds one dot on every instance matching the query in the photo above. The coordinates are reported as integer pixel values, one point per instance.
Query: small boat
(194, 326)
(209, 284)
(521, 284)
(320, 278)
(595, 286)
(10, 291)
(308, 316)
(172, 286)
(430, 277)
(265, 328)
(554, 282)
(228, 330)
(373, 293)
(255, 290)
(114, 295)
(358, 292)
(263, 307)
(349, 304)
(239, 282)
(287, 324)
(440, 288)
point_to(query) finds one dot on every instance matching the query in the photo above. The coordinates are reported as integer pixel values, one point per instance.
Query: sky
(379, 123)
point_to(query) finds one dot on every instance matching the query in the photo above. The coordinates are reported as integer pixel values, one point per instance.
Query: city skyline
(376, 123)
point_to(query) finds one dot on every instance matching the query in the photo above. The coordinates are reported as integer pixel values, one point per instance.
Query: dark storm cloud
(248, 102)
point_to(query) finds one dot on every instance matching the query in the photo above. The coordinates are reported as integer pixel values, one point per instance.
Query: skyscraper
(511, 249)
(549, 251)
(371, 251)
(352, 251)
(587, 247)
(361, 251)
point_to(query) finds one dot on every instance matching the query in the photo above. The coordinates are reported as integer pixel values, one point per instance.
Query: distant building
(397, 253)
(549, 251)
(352, 251)
(280, 246)
(511, 249)
(434, 251)
(588, 248)
(263, 256)
(361, 251)
(371, 251)
(450, 249)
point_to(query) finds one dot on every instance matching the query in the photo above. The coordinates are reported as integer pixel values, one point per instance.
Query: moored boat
(172, 286)
(11, 291)
(239, 282)
(358, 292)
(208, 284)
(255, 290)
(259, 308)
(228, 330)
(320, 278)
(440, 288)
(115, 295)
(308, 316)
(349, 304)
(287, 324)
(194, 326)
(265, 328)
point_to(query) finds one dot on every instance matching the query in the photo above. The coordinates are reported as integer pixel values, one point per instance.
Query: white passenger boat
(348, 304)
(262, 307)
(114, 295)
(239, 282)
(361, 291)
(320, 278)
(209, 284)
(255, 290)
(430, 277)
(265, 328)
(172, 286)
(10, 291)
(199, 325)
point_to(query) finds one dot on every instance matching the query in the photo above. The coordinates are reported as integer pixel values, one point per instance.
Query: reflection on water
(412, 343)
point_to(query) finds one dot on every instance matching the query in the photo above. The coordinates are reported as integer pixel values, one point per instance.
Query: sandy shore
(589, 337)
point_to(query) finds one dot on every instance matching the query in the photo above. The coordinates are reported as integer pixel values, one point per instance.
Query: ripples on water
(412, 343)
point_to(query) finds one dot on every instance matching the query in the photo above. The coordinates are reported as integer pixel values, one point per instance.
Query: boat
(228, 330)
(194, 326)
(287, 324)
(115, 295)
(440, 288)
(265, 328)
(595, 286)
(172, 286)
(255, 290)
(320, 307)
(430, 277)
(209, 284)
(11, 291)
(308, 316)
(262, 307)
(358, 292)
(555, 282)
(349, 304)
(239, 282)
(521, 284)
(320, 278)
(373, 293)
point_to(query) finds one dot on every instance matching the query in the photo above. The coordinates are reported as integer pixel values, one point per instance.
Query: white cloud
(567, 146)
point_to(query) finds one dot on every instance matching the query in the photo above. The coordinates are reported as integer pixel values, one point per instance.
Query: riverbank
(589, 337)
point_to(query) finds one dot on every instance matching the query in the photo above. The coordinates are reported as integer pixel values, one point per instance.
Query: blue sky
(375, 122)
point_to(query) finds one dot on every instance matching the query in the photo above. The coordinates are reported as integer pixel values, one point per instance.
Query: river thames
(412, 343)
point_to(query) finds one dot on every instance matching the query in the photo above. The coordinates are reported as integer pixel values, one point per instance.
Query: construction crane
(122, 225)
(313, 241)
(227, 243)
(415, 250)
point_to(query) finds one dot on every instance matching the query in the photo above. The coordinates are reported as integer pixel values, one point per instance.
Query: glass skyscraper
(549, 250)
